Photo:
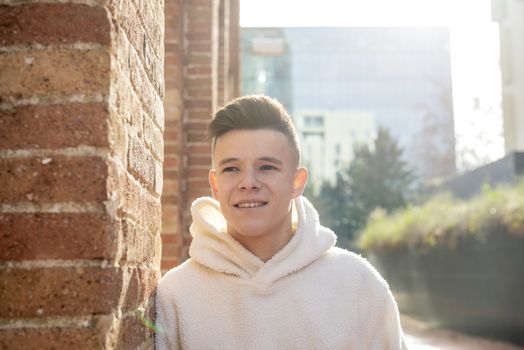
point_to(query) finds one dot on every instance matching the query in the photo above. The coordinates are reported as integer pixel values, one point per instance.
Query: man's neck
(267, 245)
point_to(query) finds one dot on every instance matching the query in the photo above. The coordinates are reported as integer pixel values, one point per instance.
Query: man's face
(255, 179)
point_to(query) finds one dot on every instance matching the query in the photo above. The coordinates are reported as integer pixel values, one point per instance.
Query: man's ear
(213, 183)
(299, 182)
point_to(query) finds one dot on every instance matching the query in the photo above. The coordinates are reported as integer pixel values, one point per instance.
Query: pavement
(423, 336)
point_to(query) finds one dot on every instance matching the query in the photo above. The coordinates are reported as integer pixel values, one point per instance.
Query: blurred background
(411, 122)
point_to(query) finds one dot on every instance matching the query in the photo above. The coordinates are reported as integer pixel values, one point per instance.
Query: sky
(474, 53)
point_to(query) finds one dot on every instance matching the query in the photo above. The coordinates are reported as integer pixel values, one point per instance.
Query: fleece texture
(310, 295)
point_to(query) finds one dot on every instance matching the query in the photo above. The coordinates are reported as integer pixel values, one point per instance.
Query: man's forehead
(255, 144)
(263, 138)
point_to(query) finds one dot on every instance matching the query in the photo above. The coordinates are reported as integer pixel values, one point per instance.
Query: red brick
(196, 136)
(148, 94)
(133, 333)
(60, 71)
(141, 287)
(169, 263)
(171, 186)
(51, 338)
(172, 60)
(170, 215)
(200, 47)
(170, 149)
(170, 239)
(193, 173)
(134, 201)
(196, 190)
(195, 160)
(198, 103)
(187, 240)
(171, 135)
(200, 2)
(198, 149)
(172, 8)
(198, 183)
(170, 176)
(54, 126)
(197, 124)
(203, 35)
(170, 199)
(57, 236)
(170, 250)
(199, 11)
(199, 115)
(45, 292)
(199, 92)
(53, 179)
(152, 16)
(171, 162)
(199, 23)
(53, 24)
(172, 71)
(153, 138)
(199, 82)
(172, 124)
(141, 162)
(139, 244)
(171, 47)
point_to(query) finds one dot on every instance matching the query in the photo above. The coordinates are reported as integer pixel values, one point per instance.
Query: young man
(263, 273)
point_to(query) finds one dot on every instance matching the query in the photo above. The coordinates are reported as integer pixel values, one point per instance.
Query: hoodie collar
(213, 247)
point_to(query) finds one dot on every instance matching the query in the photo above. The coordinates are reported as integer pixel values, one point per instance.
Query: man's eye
(230, 169)
(267, 167)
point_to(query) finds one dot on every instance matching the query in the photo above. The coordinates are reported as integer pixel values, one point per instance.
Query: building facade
(510, 16)
(327, 139)
(400, 76)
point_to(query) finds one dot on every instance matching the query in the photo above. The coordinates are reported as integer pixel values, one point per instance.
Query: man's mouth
(250, 204)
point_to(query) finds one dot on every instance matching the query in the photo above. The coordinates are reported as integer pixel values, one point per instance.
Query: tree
(377, 177)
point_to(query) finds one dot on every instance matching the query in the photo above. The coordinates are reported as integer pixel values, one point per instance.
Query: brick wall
(199, 78)
(84, 150)
(172, 201)
(223, 53)
(81, 152)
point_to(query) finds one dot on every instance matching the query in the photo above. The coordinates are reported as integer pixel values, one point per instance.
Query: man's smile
(253, 204)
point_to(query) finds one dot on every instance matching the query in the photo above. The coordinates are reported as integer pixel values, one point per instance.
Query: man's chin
(248, 231)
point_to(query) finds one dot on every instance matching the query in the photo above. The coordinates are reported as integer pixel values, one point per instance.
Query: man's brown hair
(251, 113)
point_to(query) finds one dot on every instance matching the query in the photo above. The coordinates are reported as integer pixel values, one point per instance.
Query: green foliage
(377, 177)
(444, 220)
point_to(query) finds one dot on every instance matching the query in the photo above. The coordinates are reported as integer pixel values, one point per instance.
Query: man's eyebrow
(227, 160)
(265, 159)
(271, 160)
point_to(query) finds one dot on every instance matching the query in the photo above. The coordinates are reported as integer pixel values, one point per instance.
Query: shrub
(444, 220)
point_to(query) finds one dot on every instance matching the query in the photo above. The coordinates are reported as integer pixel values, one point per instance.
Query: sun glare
(474, 53)
(297, 13)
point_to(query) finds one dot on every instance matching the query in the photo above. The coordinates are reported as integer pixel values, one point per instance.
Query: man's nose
(249, 181)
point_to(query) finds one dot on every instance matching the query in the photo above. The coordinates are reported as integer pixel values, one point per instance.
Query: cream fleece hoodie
(310, 295)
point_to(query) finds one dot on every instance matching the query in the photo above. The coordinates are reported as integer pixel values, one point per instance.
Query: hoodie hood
(214, 248)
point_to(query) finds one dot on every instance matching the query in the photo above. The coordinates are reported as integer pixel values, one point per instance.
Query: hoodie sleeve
(386, 332)
(166, 333)
(379, 313)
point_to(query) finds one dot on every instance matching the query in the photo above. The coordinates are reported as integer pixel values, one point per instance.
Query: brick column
(200, 101)
(81, 150)
(172, 201)
(233, 77)
(223, 53)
